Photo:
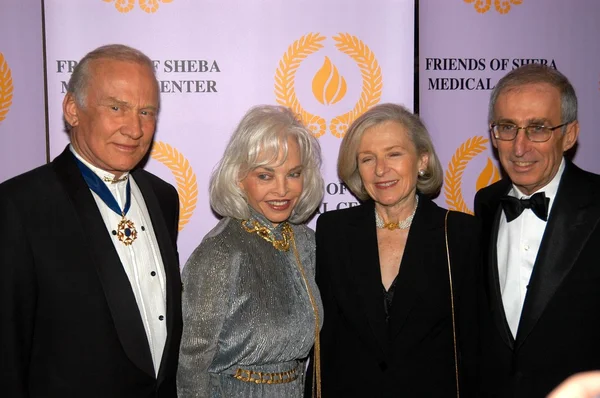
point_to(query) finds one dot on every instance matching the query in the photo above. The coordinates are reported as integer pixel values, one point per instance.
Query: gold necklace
(403, 224)
(283, 244)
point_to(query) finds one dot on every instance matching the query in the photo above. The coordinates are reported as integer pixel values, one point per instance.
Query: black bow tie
(513, 207)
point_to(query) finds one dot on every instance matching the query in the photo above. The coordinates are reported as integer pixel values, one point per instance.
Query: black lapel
(103, 256)
(364, 259)
(574, 215)
(171, 266)
(491, 225)
(413, 275)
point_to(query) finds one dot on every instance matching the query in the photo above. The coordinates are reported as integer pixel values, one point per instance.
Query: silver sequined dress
(245, 305)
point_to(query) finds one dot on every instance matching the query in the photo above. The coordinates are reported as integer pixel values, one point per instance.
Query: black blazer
(559, 329)
(70, 325)
(412, 356)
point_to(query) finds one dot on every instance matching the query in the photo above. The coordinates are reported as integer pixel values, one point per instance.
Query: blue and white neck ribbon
(125, 231)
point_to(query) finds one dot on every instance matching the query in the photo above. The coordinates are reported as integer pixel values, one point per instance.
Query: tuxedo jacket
(411, 355)
(559, 328)
(70, 325)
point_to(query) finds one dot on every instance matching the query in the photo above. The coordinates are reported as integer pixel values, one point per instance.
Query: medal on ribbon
(126, 232)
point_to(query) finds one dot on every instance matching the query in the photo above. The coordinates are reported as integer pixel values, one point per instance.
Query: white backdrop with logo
(329, 61)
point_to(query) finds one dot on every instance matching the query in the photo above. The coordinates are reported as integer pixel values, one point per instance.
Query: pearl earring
(421, 173)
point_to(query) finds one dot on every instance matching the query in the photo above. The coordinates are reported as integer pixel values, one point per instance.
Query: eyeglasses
(534, 132)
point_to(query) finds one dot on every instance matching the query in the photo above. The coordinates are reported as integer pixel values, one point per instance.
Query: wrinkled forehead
(135, 72)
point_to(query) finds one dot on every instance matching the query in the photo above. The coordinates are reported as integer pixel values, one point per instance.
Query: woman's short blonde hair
(428, 184)
(265, 129)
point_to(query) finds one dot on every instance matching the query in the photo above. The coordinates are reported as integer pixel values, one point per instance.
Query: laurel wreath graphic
(286, 74)
(6, 88)
(453, 179)
(123, 6)
(187, 187)
(149, 6)
(309, 44)
(372, 81)
(502, 6)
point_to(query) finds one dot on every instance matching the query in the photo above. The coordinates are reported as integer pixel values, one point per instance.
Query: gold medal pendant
(126, 231)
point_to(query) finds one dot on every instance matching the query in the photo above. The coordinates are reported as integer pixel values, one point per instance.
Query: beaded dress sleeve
(206, 292)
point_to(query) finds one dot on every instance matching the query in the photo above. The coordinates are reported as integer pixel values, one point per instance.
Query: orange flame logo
(328, 85)
(488, 176)
(454, 174)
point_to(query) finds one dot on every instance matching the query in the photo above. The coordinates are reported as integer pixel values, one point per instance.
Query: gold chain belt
(250, 376)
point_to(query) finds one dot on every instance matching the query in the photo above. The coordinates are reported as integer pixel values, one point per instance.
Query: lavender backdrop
(491, 38)
(22, 110)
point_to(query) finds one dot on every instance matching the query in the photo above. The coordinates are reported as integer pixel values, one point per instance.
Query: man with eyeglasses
(540, 318)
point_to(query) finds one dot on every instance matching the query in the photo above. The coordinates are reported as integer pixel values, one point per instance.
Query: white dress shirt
(141, 260)
(518, 245)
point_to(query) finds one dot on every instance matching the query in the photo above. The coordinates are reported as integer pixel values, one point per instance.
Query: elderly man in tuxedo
(540, 318)
(89, 287)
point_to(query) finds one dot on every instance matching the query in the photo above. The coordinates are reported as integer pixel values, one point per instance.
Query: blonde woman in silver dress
(251, 307)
